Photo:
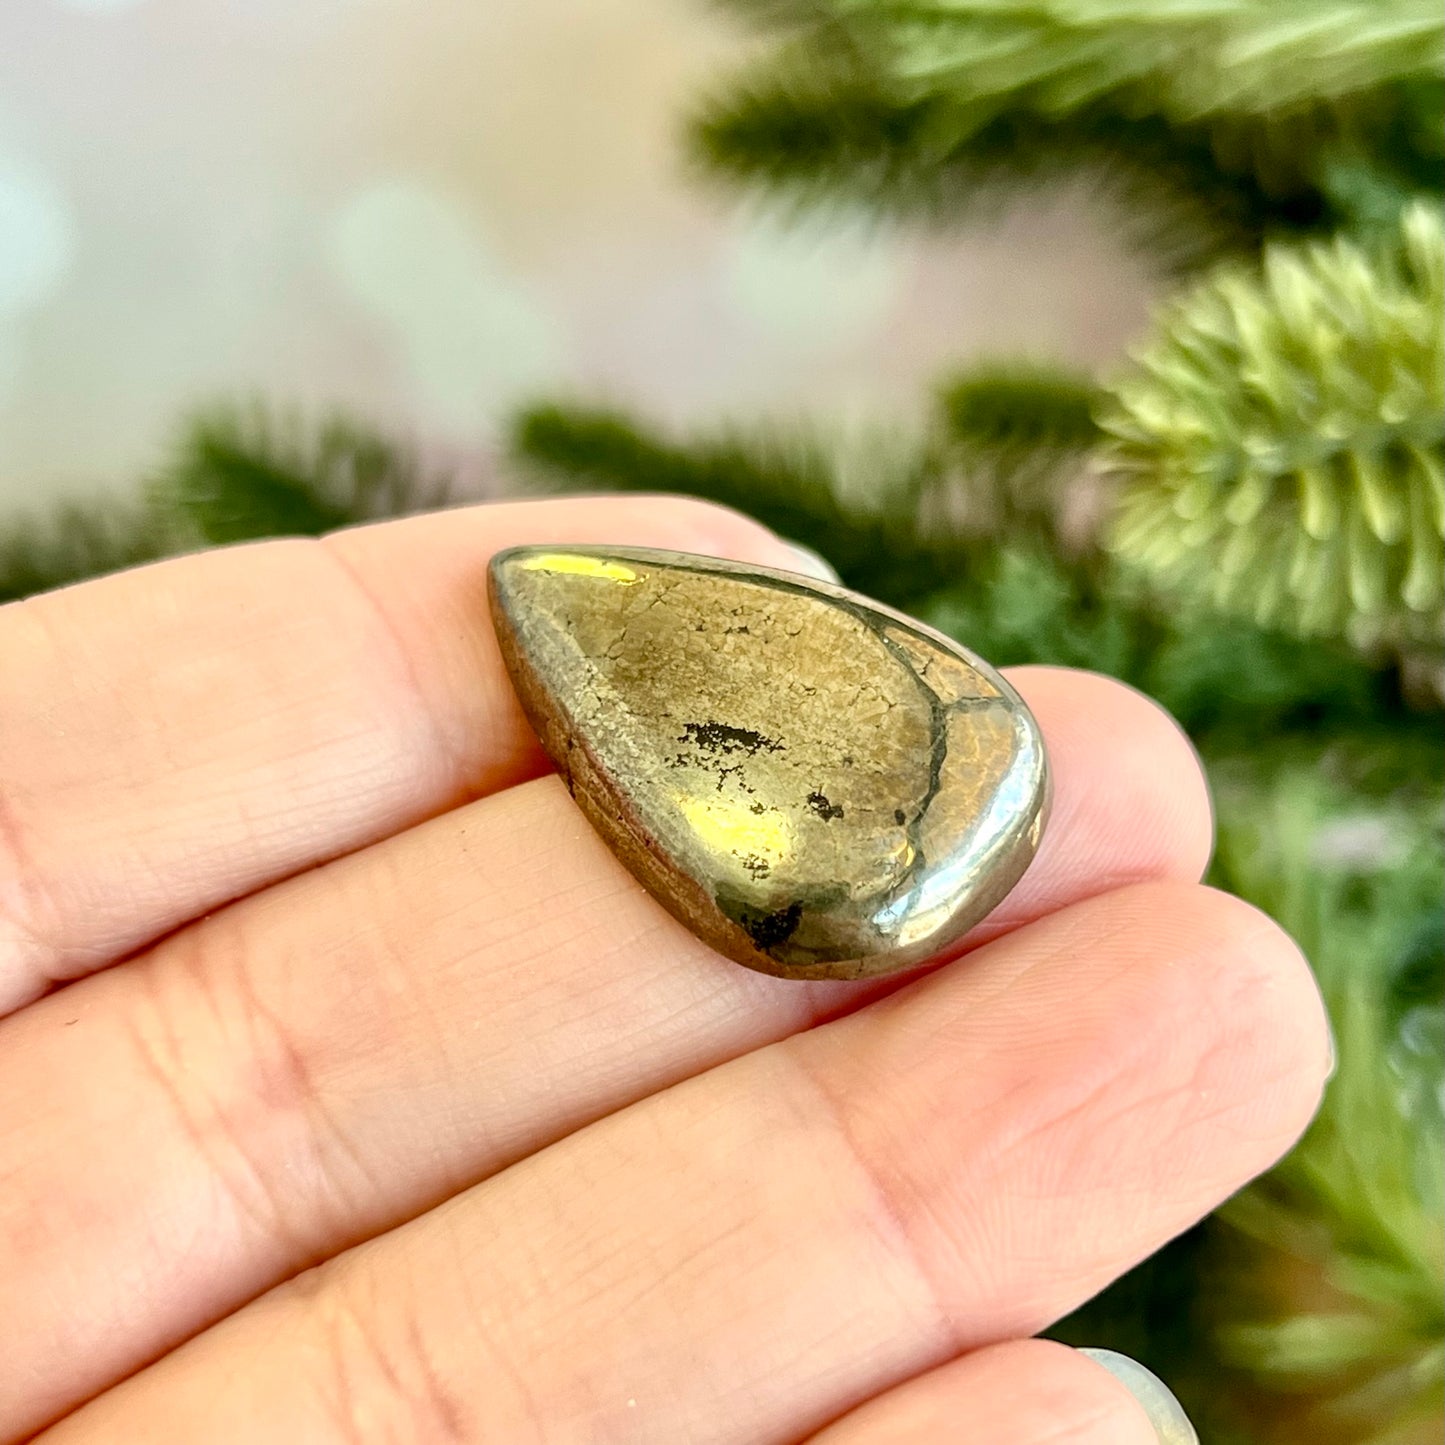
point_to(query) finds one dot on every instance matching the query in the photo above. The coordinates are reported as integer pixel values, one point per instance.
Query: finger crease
(160, 1052)
(31, 954)
(226, 1134)
(381, 1392)
(447, 747)
(290, 1086)
(894, 1219)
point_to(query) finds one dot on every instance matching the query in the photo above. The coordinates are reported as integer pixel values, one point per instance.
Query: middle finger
(337, 1054)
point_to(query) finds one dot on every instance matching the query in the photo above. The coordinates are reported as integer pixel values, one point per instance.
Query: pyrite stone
(815, 785)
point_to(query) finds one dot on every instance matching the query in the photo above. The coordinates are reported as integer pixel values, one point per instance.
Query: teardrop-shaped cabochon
(813, 784)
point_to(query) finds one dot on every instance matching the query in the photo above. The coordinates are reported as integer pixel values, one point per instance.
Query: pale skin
(350, 1090)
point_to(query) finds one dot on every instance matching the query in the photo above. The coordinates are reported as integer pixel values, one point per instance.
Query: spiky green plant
(990, 455)
(1018, 408)
(833, 134)
(78, 540)
(1281, 442)
(253, 470)
(1015, 437)
(1183, 110)
(1192, 59)
(233, 473)
(876, 500)
(1334, 1261)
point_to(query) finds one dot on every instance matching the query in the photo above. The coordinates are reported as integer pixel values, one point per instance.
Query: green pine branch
(1016, 436)
(78, 541)
(1331, 1265)
(244, 472)
(868, 506)
(898, 515)
(235, 473)
(832, 136)
(1190, 60)
(1014, 408)
(1185, 112)
(1004, 438)
(1281, 442)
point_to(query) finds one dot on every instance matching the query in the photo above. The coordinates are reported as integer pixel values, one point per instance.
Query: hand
(352, 1092)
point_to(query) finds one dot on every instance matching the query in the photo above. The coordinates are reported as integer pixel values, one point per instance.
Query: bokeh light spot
(470, 334)
(812, 287)
(36, 239)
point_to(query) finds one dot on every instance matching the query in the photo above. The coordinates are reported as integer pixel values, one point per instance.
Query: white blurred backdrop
(424, 210)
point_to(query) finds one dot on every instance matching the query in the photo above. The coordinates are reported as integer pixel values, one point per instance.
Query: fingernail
(811, 563)
(1165, 1413)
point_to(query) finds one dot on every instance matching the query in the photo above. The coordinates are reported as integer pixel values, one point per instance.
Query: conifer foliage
(1281, 439)
(1244, 117)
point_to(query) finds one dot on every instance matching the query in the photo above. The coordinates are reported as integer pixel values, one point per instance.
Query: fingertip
(1131, 802)
(1282, 1041)
(1022, 1392)
(1153, 1396)
(1231, 992)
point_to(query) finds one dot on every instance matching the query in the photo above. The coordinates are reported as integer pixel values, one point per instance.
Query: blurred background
(427, 211)
(1096, 332)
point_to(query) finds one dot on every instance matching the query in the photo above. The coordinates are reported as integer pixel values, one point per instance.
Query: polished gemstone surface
(815, 785)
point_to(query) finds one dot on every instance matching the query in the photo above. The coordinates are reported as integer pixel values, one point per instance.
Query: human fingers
(1022, 1392)
(338, 1053)
(745, 1256)
(176, 736)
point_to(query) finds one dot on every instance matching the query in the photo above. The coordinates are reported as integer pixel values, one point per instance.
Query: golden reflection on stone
(815, 785)
(732, 829)
(578, 566)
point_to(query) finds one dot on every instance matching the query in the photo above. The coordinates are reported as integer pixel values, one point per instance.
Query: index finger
(178, 736)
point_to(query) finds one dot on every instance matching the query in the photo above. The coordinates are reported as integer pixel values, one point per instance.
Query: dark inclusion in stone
(772, 929)
(815, 785)
(819, 803)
